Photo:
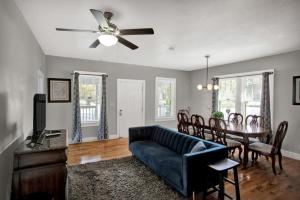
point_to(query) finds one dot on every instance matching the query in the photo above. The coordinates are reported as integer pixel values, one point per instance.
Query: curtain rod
(90, 74)
(243, 75)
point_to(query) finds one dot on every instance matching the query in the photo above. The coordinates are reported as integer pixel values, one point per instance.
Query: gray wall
(20, 59)
(60, 115)
(286, 66)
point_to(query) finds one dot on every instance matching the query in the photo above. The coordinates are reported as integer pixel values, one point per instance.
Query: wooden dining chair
(187, 112)
(197, 122)
(219, 130)
(204, 133)
(183, 123)
(252, 120)
(236, 118)
(259, 148)
(255, 120)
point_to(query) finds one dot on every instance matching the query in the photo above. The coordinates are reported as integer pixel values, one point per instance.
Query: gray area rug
(124, 178)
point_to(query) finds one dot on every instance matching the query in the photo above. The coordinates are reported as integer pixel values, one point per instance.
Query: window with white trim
(165, 99)
(241, 94)
(90, 88)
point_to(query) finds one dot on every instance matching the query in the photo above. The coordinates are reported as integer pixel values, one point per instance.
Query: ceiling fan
(109, 32)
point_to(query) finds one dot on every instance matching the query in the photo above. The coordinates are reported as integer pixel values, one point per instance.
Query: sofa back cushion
(173, 140)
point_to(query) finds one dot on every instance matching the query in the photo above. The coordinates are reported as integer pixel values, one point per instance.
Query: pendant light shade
(216, 87)
(199, 87)
(208, 86)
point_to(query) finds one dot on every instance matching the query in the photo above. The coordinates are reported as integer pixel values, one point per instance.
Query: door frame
(143, 82)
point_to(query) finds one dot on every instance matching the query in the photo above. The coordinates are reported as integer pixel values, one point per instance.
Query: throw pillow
(200, 146)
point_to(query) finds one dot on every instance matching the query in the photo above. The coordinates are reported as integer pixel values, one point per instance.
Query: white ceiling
(228, 30)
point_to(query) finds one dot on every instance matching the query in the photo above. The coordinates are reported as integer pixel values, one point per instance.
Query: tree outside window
(165, 98)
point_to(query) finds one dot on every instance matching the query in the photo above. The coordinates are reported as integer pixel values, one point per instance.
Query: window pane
(251, 95)
(90, 98)
(226, 107)
(165, 97)
(241, 95)
(164, 104)
(227, 96)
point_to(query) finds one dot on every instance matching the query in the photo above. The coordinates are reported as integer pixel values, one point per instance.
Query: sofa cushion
(200, 146)
(173, 140)
(165, 162)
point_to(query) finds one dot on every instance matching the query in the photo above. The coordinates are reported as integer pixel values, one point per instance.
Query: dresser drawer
(27, 160)
(47, 178)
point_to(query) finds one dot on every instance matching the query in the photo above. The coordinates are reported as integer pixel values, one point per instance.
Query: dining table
(245, 132)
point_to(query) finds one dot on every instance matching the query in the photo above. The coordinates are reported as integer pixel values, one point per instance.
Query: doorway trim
(118, 95)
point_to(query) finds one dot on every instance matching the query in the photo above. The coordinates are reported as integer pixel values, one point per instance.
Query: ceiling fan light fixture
(108, 39)
(109, 32)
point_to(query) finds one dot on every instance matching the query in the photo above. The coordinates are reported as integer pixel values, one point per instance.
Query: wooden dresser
(41, 169)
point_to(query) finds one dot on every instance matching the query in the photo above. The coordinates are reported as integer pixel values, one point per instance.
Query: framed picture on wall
(59, 90)
(296, 90)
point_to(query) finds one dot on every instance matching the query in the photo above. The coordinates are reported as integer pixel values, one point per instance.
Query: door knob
(120, 112)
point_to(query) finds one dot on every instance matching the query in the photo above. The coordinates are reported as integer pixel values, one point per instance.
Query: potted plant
(218, 114)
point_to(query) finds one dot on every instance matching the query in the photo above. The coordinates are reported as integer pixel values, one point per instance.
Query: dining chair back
(279, 137)
(183, 122)
(218, 130)
(186, 111)
(197, 121)
(254, 120)
(236, 118)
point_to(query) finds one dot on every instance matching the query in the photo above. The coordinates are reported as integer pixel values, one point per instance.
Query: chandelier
(208, 86)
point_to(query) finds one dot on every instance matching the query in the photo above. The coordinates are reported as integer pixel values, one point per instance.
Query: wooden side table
(222, 167)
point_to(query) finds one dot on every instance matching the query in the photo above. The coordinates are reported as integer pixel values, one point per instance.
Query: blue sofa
(167, 153)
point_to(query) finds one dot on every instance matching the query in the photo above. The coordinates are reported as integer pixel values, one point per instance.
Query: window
(251, 95)
(241, 94)
(165, 99)
(90, 98)
(227, 95)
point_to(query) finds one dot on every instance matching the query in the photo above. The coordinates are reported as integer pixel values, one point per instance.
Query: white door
(131, 103)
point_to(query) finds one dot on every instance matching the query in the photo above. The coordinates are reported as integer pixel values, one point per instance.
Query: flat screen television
(39, 116)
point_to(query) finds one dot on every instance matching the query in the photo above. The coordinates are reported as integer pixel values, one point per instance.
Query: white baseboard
(113, 136)
(290, 154)
(89, 139)
(92, 139)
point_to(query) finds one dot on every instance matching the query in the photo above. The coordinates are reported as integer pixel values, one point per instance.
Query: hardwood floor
(256, 182)
(96, 151)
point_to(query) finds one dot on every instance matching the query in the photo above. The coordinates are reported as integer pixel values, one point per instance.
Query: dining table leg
(246, 145)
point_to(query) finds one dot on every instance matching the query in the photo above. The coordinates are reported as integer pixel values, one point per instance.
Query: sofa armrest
(140, 133)
(195, 170)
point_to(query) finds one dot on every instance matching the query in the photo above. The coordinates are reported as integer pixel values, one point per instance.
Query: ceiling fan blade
(95, 44)
(100, 18)
(127, 43)
(76, 30)
(138, 31)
